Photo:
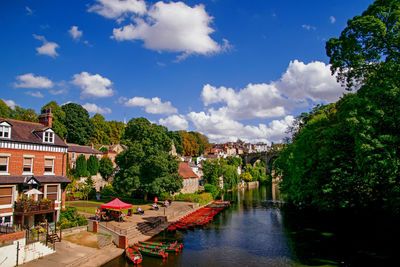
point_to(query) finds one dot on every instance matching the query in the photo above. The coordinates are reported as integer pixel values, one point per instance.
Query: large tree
(81, 166)
(93, 165)
(102, 130)
(106, 168)
(79, 127)
(5, 110)
(146, 166)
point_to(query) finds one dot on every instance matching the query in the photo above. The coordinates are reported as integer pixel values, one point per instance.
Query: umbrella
(33, 191)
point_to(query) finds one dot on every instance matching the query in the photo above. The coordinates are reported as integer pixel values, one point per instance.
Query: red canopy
(116, 204)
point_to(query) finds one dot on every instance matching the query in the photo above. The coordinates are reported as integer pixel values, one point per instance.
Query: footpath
(70, 254)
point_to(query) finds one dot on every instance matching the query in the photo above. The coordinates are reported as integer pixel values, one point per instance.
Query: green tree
(102, 130)
(246, 176)
(117, 130)
(25, 114)
(5, 110)
(106, 168)
(58, 120)
(366, 43)
(93, 165)
(79, 127)
(81, 166)
(189, 144)
(234, 161)
(230, 176)
(177, 139)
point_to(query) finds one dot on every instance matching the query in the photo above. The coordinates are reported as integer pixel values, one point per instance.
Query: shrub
(211, 189)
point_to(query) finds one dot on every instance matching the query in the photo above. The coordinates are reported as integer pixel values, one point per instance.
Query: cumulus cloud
(221, 129)
(10, 103)
(93, 108)
(175, 122)
(310, 81)
(118, 9)
(75, 33)
(153, 106)
(308, 27)
(332, 19)
(35, 94)
(93, 85)
(29, 80)
(173, 27)
(48, 48)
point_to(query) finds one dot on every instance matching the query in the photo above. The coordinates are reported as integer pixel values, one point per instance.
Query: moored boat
(133, 255)
(159, 253)
(160, 247)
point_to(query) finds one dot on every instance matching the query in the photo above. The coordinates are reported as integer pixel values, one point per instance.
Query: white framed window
(5, 131)
(73, 155)
(4, 164)
(73, 165)
(48, 166)
(6, 195)
(52, 192)
(28, 164)
(48, 136)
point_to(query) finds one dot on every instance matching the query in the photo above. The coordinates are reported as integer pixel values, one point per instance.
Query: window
(52, 191)
(6, 195)
(3, 164)
(73, 155)
(28, 163)
(48, 165)
(5, 131)
(48, 137)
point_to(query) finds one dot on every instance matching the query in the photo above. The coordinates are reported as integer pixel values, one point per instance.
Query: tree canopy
(79, 128)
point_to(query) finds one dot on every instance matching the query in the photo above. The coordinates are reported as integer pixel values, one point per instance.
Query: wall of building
(190, 185)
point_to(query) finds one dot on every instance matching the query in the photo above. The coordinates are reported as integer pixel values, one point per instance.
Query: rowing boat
(159, 253)
(133, 255)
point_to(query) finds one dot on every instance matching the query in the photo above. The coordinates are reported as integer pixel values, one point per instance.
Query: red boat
(133, 255)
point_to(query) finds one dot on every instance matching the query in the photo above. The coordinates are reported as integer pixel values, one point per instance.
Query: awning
(33, 192)
(116, 204)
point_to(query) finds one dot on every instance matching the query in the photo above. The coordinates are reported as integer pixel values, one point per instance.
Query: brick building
(32, 168)
(74, 151)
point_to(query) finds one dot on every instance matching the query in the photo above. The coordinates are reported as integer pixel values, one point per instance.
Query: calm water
(254, 231)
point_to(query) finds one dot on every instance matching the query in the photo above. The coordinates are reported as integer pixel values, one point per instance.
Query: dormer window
(5, 130)
(48, 136)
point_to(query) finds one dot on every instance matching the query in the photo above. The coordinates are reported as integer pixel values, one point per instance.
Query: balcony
(30, 207)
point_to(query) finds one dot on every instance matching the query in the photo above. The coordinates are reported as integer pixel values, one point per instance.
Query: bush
(163, 196)
(70, 218)
(202, 198)
(211, 189)
(108, 191)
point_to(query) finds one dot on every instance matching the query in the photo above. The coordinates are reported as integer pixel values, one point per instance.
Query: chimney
(46, 117)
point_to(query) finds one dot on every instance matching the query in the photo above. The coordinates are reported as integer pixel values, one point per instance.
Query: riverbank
(70, 254)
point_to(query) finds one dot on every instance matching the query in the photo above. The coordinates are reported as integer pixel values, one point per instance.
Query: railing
(6, 229)
(32, 206)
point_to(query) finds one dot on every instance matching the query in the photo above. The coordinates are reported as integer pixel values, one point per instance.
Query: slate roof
(186, 171)
(20, 179)
(82, 149)
(29, 132)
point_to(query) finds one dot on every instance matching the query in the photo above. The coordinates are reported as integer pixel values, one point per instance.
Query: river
(255, 231)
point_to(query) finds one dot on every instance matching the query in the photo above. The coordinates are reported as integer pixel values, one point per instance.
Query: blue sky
(229, 69)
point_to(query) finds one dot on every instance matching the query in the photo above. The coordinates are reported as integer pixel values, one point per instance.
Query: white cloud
(48, 48)
(58, 92)
(29, 80)
(332, 19)
(75, 33)
(173, 27)
(28, 10)
(118, 9)
(254, 101)
(35, 94)
(93, 108)
(93, 85)
(175, 122)
(220, 129)
(153, 106)
(308, 27)
(310, 81)
(10, 103)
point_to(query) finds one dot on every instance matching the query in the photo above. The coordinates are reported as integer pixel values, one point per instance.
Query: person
(155, 206)
(155, 200)
(140, 211)
(166, 203)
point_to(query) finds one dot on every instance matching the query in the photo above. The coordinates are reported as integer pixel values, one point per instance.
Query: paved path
(70, 254)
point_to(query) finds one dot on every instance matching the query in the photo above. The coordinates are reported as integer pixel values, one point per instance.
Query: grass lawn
(91, 206)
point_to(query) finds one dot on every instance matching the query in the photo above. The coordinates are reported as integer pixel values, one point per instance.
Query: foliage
(108, 191)
(258, 172)
(189, 144)
(117, 130)
(145, 165)
(176, 137)
(212, 189)
(81, 166)
(202, 199)
(102, 130)
(234, 161)
(5, 110)
(93, 165)
(70, 218)
(366, 43)
(246, 176)
(106, 168)
(230, 176)
(58, 119)
(79, 127)
(212, 171)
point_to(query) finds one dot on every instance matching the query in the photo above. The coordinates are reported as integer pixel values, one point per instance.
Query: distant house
(74, 151)
(32, 164)
(190, 179)
(112, 151)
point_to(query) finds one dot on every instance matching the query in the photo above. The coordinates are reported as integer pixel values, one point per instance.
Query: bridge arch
(266, 157)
